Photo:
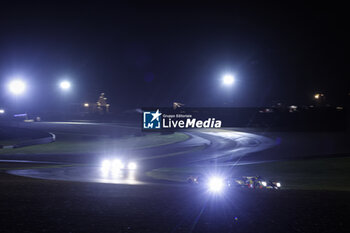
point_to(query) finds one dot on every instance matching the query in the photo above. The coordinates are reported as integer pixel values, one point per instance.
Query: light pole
(227, 81)
(16, 88)
(65, 86)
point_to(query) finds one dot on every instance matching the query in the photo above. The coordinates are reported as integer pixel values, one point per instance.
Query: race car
(199, 179)
(215, 184)
(237, 182)
(266, 184)
(255, 182)
(109, 165)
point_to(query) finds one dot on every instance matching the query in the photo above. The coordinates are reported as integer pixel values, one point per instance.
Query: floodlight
(228, 79)
(65, 85)
(17, 87)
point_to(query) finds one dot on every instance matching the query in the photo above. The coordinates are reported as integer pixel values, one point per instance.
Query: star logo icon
(156, 115)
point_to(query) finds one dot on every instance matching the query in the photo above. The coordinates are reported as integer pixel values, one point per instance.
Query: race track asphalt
(203, 146)
(59, 199)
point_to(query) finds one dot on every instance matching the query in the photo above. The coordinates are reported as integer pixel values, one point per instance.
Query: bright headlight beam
(278, 184)
(118, 164)
(132, 166)
(264, 183)
(105, 166)
(216, 184)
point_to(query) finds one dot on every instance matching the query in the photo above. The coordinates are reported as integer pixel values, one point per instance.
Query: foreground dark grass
(32, 205)
(309, 174)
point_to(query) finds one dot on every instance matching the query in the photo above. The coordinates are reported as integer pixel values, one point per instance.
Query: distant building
(177, 105)
(320, 99)
(102, 105)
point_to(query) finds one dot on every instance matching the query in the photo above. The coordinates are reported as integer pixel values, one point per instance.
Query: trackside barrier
(31, 142)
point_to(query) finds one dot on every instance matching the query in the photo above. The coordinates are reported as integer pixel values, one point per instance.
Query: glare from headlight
(132, 166)
(106, 164)
(264, 183)
(278, 184)
(216, 184)
(117, 164)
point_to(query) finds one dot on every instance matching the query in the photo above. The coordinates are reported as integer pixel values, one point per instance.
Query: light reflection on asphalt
(82, 174)
(225, 145)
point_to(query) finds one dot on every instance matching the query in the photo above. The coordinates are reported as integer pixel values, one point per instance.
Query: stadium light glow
(2, 111)
(228, 79)
(65, 85)
(17, 87)
(318, 96)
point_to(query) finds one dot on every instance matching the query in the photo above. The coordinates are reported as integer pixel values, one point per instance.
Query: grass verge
(69, 143)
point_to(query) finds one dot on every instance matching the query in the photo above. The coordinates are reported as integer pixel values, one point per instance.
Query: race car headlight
(216, 184)
(117, 164)
(132, 166)
(264, 183)
(278, 184)
(105, 166)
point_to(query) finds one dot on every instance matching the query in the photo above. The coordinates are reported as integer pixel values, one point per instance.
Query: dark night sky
(151, 55)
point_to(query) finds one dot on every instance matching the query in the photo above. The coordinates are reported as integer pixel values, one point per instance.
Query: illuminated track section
(82, 174)
(223, 146)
